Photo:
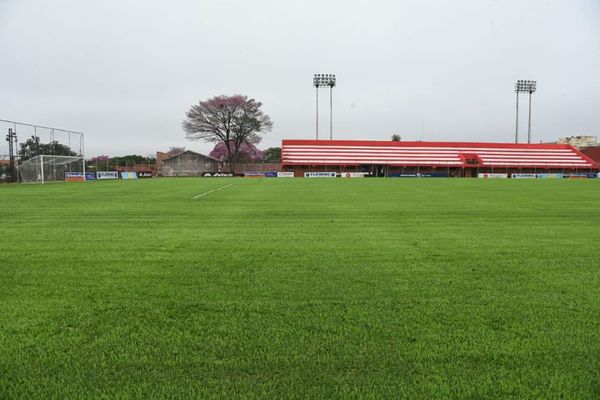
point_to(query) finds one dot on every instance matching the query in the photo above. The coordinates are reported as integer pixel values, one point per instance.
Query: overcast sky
(125, 71)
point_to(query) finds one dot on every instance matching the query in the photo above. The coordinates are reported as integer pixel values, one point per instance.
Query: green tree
(272, 154)
(396, 138)
(33, 147)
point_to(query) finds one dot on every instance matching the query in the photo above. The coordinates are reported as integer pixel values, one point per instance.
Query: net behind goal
(48, 168)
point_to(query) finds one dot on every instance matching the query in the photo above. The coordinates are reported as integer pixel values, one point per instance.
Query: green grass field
(299, 288)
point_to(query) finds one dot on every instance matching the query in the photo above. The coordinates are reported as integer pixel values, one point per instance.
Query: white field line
(211, 191)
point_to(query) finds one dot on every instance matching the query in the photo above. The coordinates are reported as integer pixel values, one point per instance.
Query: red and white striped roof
(442, 154)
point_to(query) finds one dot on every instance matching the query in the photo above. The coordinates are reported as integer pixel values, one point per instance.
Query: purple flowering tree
(233, 121)
(246, 153)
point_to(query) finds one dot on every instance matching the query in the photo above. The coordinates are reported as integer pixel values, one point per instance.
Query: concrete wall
(188, 164)
(254, 167)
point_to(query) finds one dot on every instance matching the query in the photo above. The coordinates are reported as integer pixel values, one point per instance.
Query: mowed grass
(299, 288)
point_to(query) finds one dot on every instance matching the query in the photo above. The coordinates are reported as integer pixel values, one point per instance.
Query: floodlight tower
(523, 86)
(11, 138)
(325, 80)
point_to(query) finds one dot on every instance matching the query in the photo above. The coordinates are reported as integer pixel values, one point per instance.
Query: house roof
(442, 154)
(188, 152)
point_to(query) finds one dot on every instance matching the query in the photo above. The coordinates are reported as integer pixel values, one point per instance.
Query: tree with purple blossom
(98, 159)
(233, 121)
(247, 153)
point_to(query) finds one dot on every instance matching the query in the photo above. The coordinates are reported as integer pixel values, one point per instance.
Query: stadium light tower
(523, 86)
(325, 80)
(11, 138)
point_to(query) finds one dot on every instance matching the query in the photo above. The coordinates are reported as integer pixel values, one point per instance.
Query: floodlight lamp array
(323, 80)
(524, 86)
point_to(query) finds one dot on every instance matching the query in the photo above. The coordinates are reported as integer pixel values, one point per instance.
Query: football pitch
(300, 288)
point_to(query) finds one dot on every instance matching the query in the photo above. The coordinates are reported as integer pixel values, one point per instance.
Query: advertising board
(217, 174)
(107, 175)
(582, 175)
(552, 176)
(271, 174)
(353, 174)
(285, 174)
(492, 176)
(319, 174)
(75, 177)
(254, 174)
(90, 176)
(128, 175)
(524, 176)
(418, 175)
(144, 174)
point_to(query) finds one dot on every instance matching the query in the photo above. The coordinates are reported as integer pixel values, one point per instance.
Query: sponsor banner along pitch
(128, 175)
(144, 174)
(353, 174)
(217, 174)
(319, 174)
(75, 177)
(107, 175)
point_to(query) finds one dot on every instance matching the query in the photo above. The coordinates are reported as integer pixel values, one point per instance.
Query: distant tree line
(107, 162)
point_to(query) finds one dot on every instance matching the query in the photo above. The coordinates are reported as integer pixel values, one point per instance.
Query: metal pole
(317, 126)
(42, 167)
(11, 156)
(330, 112)
(517, 121)
(82, 153)
(529, 122)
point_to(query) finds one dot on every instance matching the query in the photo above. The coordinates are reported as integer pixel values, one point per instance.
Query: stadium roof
(435, 154)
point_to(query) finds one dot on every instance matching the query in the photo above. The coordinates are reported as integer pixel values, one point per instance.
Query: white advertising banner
(524, 176)
(285, 174)
(319, 174)
(492, 176)
(217, 174)
(107, 175)
(353, 174)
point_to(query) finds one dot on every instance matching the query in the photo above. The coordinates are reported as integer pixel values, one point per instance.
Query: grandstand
(452, 159)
